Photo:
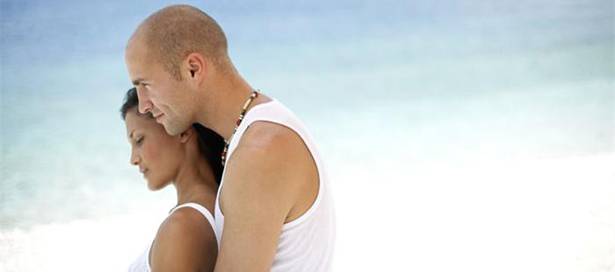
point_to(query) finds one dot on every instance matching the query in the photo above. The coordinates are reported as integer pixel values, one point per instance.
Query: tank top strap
(206, 213)
(272, 111)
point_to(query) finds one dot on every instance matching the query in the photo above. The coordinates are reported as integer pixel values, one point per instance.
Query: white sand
(540, 215)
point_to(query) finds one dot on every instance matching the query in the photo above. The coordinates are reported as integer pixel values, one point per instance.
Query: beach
(464, 136)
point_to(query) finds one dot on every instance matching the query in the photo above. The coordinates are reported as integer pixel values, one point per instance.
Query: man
(273, 210)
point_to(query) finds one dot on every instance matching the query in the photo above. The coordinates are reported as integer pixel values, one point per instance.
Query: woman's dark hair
(211, 143)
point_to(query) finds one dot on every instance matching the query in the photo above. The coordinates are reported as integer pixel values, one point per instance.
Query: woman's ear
(185, 136)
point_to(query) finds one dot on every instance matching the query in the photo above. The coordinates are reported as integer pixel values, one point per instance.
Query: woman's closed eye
(139, 140)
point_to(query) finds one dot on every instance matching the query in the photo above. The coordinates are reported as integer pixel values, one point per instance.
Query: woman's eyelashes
(139, 140)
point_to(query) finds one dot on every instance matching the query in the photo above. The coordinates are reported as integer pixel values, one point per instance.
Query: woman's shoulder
(190, 216)
(186, 238)
(190, 220)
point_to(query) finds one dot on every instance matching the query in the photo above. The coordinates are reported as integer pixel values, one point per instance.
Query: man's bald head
(172, 33)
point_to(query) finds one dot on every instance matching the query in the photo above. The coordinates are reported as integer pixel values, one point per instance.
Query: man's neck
(227, 100)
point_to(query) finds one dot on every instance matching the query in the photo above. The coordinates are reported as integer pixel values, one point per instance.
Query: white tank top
(141, 264)
(306, 243)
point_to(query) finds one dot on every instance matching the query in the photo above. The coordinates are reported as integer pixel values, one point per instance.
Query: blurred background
(460, 135)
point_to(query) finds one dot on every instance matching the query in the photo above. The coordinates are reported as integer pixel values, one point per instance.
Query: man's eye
(139, 141)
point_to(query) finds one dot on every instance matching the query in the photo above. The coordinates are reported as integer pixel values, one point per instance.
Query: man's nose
(145, 104)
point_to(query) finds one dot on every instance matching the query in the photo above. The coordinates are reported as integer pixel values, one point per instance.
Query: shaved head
(172, 33)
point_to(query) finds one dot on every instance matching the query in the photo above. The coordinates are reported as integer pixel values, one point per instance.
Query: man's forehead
(141, 70)
(136, 48)
(135, 51)
(137, 62)
(137, 38)
(142, 63)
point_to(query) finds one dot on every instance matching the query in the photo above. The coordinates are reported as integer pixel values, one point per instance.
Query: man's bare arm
(264, 179)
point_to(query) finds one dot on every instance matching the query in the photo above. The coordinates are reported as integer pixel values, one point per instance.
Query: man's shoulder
(265, 135)
(269, 155)
(269, 141)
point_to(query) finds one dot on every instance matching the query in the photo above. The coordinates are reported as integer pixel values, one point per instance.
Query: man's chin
(172, 129)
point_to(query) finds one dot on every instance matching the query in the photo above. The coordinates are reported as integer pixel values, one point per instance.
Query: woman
(191, 163)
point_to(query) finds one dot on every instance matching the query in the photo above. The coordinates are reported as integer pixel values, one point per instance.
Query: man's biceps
(259, 206)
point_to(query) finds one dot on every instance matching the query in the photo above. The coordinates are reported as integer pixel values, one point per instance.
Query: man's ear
(193, 68)
(196, 65)
(185, 136)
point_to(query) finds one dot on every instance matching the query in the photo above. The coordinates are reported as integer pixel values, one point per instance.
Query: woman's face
(157, 154)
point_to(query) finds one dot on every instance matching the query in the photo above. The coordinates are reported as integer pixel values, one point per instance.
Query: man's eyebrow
(130, 135)
(137, 81)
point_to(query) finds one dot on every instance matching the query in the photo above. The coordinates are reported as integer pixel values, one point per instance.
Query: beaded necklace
(241, 116)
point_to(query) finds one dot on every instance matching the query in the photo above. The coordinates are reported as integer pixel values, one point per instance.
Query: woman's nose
(134, 159)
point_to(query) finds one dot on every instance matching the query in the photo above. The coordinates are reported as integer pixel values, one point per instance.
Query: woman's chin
(152, 188)
(154, 185)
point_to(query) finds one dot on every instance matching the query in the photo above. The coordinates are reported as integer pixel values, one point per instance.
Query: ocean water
(459, 135)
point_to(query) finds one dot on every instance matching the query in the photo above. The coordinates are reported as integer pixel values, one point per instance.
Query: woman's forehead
(135, 121)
